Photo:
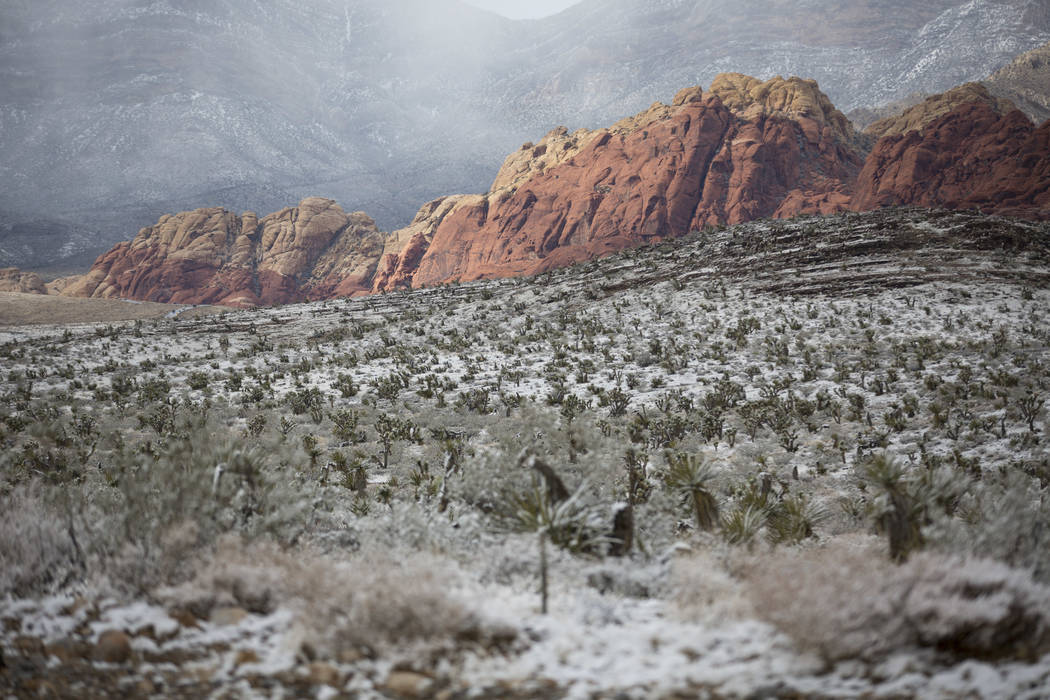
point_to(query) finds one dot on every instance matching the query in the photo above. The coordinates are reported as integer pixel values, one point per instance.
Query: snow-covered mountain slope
(114, 112)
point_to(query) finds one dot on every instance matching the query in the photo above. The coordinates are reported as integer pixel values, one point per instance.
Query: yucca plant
(570, 523)
(794, 519)
(743, 523)
(898, 513)
(692, 477)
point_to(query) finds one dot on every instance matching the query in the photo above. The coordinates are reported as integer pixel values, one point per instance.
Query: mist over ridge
(113, 113)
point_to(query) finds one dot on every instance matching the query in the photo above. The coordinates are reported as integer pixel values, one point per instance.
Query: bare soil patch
(18, 309)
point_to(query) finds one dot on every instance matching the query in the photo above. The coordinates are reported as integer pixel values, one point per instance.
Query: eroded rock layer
(743, 150)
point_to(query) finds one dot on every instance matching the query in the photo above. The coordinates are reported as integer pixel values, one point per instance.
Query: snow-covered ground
(335, 498)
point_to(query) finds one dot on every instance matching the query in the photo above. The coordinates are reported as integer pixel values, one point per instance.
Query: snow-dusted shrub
(1006, 519)
(837, 601)
(36, 550)
(371, 603)
(704, 589)
(977, 608)
(172, 505)
(847, 601)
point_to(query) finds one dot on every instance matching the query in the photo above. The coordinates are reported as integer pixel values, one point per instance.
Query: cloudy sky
(520, 9)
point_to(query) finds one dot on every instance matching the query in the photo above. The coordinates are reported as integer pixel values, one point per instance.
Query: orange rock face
(211, 256)
(745, 149)
(971, 158)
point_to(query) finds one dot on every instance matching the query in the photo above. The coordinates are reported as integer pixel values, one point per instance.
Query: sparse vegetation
(627, 409)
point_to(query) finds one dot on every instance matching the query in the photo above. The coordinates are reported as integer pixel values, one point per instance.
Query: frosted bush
(36, 550)
(171, 506)
(705, 590)
(848, 602)
(977, 608)
(1008, 521)
(371, 603)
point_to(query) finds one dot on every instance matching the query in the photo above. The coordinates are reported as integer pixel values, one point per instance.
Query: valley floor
(787, 459)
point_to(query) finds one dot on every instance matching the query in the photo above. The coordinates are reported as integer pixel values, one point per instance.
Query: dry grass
(18, 309)
(368, 601)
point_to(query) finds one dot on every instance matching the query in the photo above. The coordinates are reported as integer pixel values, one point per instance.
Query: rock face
(211, 256)
(14, 280)
(743, 150)
(746, 149)
(972, 157)
(936, 106)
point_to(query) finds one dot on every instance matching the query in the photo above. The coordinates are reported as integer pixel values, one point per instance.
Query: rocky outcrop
(973, 157)
(935, 107)
(745, 149)
(212, 256)
(863, 117)
(1026, 83)
(795, 98)
(14, 280)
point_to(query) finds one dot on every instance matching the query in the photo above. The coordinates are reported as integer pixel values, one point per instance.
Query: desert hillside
(785, 458)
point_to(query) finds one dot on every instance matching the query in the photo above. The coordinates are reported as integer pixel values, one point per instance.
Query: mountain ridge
(114, 114)
(743, 150)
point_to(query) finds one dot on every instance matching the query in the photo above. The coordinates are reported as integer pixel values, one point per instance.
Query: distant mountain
(743, 150)
(1026, 83)
(116, 111)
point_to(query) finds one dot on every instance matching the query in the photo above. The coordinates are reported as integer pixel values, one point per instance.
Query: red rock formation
(211, 256)
(745, 150)
(971, 158)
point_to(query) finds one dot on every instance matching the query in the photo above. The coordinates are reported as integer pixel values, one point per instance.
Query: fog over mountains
(115, 111)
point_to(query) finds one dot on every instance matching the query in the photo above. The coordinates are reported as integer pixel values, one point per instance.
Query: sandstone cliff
(211, 256)
(14, 280)
(745, 149)
(972, 157)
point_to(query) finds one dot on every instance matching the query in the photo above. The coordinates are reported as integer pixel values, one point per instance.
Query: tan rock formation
(935, 107)
(211, 256)
(14, 280)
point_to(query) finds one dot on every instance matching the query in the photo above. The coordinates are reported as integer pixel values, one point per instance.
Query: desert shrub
(166, 507)
(1004, 519)
(848, 602)
(371, 603)
(704, 589)
(37, 553)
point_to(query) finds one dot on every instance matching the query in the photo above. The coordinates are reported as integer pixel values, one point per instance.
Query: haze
(516, 9)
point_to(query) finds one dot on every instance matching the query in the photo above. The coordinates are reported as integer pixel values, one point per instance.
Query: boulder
(112, 647)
